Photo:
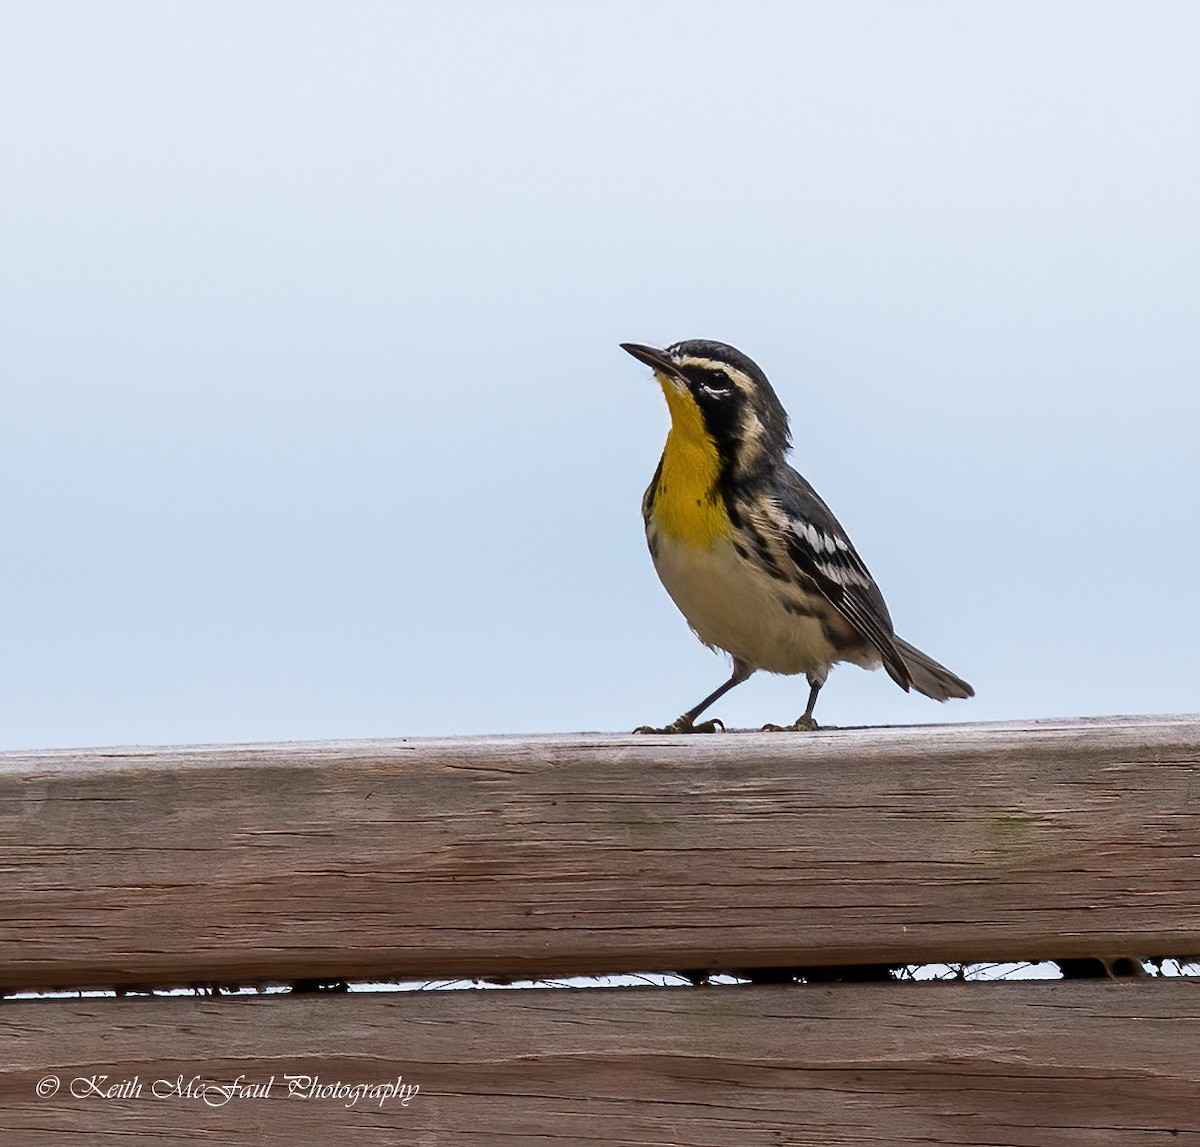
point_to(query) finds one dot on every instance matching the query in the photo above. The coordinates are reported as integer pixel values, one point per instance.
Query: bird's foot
(802, 725)
(681, 725)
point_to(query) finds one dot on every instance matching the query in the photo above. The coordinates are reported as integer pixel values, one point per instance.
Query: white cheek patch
(752, 430)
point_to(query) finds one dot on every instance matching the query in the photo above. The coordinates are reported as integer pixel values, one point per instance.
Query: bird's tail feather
(928, 676)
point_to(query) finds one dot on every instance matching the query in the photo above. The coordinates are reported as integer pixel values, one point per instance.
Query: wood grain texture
(594, 854)
(1097, 1064)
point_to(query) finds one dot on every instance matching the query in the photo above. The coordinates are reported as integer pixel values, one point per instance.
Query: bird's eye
(716, 383)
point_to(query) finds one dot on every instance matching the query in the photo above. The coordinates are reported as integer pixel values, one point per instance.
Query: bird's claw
(682, 726)
(802, 725)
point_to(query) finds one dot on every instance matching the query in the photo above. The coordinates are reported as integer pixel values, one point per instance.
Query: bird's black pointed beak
(657, 359)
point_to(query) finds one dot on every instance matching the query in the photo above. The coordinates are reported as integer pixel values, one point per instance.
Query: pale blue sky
(314, 419)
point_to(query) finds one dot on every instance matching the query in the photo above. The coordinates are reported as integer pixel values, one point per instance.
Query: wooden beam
(1096, 1064)
(593, 854)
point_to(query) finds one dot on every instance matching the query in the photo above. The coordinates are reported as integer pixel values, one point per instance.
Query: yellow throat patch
(687, 503)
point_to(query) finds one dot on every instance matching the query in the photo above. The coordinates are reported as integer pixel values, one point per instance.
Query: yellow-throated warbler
(754, 559)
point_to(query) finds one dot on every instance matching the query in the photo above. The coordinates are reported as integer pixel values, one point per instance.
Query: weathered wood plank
(1099, 1064)
(591, 854)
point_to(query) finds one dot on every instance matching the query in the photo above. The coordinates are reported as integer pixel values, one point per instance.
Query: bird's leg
(687, 722)
(804, 724)
(806, 721)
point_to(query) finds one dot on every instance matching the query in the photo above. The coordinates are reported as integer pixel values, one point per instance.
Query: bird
(754, 559)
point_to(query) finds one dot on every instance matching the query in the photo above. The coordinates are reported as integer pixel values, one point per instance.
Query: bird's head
(713, 389)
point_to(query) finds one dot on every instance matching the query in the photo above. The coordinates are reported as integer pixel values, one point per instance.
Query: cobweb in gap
(1165, 967)
(974, 973)
(1030, 970)
(969, 973)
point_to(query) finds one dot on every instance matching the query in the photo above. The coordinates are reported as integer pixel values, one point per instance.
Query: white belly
(732, 605)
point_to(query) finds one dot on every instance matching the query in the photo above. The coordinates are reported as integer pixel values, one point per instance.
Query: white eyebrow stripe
(738, 377)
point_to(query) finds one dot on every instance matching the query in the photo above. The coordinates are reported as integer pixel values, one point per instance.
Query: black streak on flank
(766, 559)
(835, 638)
(799, 609)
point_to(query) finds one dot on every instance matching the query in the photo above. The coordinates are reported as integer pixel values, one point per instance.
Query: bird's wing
(819, 548)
